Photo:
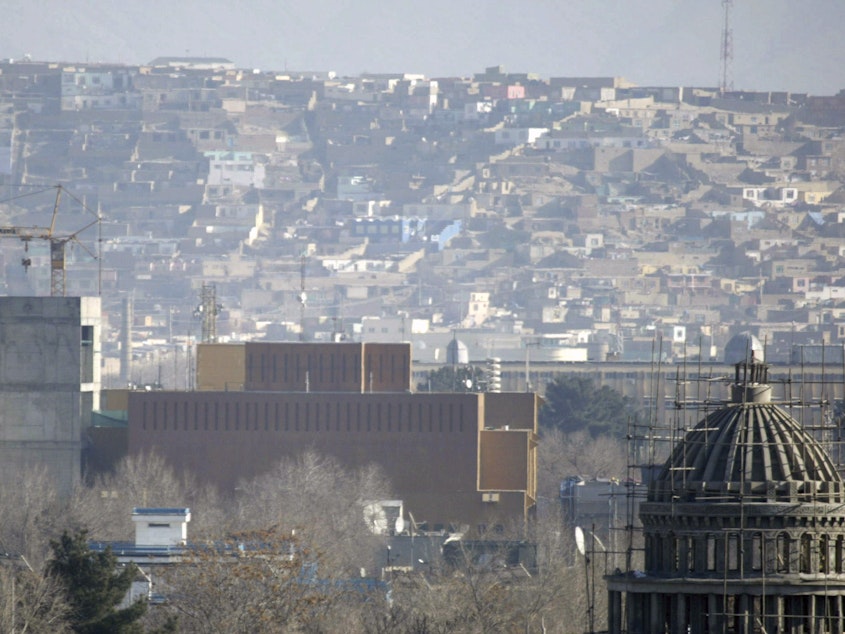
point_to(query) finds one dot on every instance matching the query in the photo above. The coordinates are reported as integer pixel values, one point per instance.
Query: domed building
(744, 528)
(457, 353)
(744, 347)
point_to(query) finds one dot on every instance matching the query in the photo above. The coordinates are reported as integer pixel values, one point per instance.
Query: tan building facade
(454, 458)
(312, 367)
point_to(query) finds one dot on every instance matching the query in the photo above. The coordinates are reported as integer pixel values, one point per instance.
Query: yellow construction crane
(57, 243)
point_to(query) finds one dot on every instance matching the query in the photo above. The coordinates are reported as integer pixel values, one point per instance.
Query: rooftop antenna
(727, 50)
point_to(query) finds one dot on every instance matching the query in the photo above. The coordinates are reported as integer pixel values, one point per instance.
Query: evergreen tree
(95, 584)
(461, 378)
(574, 403)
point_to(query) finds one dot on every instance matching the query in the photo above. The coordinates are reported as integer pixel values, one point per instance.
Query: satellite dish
(399, 527)
(468, 383)
(579, 540)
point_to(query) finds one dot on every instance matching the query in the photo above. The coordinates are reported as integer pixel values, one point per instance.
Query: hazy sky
(792, 45)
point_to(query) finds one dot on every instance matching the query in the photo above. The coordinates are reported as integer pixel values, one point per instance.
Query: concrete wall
(49, 382)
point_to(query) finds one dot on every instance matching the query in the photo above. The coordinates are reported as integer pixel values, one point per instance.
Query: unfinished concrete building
(49, 383)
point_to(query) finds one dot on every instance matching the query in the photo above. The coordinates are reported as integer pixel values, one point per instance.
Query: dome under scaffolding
(743, 527)
(751, 448)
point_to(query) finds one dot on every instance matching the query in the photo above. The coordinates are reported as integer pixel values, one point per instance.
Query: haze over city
(777, 44)
(467, 317)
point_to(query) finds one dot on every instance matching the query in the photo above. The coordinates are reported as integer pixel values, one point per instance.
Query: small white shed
(161, 526)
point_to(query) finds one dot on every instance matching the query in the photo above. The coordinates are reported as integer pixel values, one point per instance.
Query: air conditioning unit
(490, 497)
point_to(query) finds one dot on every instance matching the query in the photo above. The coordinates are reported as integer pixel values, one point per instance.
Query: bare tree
(562, 455)
(144, 480)
(296, 568)
(485, 590)
(306, 540)
(31, 514)
(314, 496)
(258, 581)
(31, 602)
(286, 558)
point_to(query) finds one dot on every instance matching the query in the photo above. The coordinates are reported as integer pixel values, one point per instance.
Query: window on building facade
(87, 354)
(805, 553)
(711, 553)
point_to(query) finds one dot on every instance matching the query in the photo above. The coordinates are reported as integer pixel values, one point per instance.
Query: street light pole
(590, 570)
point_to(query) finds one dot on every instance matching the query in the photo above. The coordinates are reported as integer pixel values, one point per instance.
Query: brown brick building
(452, 457)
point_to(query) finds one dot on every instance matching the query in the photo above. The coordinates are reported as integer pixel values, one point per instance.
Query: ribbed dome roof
(753, 448)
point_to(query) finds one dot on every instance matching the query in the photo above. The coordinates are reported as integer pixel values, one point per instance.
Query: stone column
(656, 623)
(795, 609)
(679, 613)
(637, 612)
(812, 618)
(742, 606)
(696, 613)
(667, 543)
(772, 613)
(715, 616)
(614, 612)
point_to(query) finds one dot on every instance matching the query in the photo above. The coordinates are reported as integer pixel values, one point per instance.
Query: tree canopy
(95, 585)
(454, 379)
(575, 403)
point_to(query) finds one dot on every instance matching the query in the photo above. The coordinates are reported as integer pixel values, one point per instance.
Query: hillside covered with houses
(578, 217)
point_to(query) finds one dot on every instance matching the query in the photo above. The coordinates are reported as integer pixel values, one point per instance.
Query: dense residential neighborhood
(406, 350)
(569, 218)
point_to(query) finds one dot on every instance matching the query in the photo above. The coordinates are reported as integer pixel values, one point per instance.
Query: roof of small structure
(160, 511)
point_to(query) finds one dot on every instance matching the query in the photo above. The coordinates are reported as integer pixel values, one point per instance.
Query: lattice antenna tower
(207, 311)
(727, 50)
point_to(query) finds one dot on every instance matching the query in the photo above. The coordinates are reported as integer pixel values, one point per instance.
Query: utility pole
(303, 297)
